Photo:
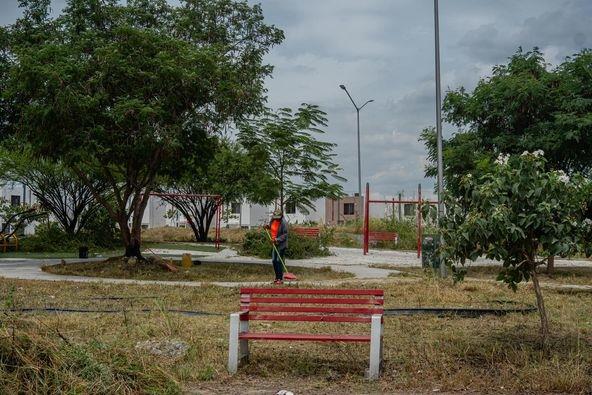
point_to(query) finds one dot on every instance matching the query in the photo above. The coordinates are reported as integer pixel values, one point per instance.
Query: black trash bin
(83, 252)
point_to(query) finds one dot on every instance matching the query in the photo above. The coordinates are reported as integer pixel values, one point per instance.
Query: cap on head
(277, 213)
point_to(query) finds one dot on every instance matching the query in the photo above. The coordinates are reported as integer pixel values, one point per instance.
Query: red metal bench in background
(307, 232)
(364, 306)
(374, 236)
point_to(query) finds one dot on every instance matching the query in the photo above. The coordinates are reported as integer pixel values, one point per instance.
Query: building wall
(334, 210)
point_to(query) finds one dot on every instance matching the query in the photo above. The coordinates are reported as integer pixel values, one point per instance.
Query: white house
(17, 193)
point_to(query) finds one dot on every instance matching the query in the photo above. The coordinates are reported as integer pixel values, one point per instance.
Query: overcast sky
(384, 50)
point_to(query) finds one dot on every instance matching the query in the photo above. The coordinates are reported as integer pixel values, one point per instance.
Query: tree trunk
(133, 249)
(131, 239)
(551, 264)
(540, 306)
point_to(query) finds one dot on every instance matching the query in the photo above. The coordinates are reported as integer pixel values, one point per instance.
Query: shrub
(49, 237)
(99, 232)
(256, 243)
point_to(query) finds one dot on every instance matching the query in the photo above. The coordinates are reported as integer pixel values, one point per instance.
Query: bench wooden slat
(313, 309)
(304, 337)
(309, 232)
(309, 318)
(382, 236)
(357, 301)
(304, 291)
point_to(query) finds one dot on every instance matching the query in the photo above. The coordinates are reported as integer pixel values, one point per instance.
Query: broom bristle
(289, 276)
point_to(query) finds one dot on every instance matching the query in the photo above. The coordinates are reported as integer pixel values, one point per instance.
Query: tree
(524, 105)
(519, 213)
(117, 91)
(57, 190)
(13, 218)
(300, 165)
(232, 173)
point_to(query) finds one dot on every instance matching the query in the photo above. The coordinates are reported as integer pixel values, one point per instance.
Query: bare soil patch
(232, 272)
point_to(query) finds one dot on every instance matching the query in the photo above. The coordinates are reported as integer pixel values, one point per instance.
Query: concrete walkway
(348, 260)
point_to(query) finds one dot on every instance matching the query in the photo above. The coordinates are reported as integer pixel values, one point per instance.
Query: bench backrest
(311, 305)
(383, 236)
(309, 232)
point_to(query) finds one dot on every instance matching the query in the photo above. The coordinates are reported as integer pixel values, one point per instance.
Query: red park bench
(307, 232)
(364, 306)
(374, 236)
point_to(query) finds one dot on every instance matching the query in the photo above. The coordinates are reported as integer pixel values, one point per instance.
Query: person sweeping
(278, 233)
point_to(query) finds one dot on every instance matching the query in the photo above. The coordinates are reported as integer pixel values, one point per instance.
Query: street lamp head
(342, 86)
(370, 101)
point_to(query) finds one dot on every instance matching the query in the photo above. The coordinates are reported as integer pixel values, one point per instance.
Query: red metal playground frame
(217, 198)
(368, 201)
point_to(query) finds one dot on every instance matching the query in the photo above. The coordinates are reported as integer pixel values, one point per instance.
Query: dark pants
(278, 268)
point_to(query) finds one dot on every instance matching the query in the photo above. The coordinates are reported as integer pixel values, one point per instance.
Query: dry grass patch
(561, 275)
(487, 354)
(167, 233)
(233, 272)
(170, 233)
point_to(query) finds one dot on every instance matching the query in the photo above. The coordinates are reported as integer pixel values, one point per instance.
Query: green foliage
(519, 214)
(55, 188)
(301, 166)
(515, 213)
(256, 243)
(118, 90)
(99, 233)
(231, 172)
(523, 106)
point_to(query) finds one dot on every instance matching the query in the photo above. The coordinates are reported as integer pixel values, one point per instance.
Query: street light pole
(359, 154)
(442, 272)
(438, 111)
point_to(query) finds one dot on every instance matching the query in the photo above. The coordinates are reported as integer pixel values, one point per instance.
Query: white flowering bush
(518, 214)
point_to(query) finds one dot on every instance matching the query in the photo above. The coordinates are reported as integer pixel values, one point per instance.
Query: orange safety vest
(275, 227)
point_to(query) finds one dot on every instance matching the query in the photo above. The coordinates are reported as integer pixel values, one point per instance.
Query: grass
(181, 246)
(96, 352)
(561, 275)
(168, 234)
(116, 268)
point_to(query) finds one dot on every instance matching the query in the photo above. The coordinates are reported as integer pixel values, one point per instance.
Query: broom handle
(276, 250)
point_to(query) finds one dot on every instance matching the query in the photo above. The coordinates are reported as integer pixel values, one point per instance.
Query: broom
(287, 275)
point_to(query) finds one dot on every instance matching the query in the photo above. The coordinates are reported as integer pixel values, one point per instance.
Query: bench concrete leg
(243, 345)
(375, 347)
(237, 349)
(233, 343)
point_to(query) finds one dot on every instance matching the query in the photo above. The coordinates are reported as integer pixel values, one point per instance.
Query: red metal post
(366, 219)
(418, 220)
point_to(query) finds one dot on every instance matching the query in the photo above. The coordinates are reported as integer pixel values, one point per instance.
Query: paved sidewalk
(349, 260)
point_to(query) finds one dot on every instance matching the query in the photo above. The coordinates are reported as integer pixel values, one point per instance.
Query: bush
(350, 234)
(100, 232)
(49, 237)
(256, 243)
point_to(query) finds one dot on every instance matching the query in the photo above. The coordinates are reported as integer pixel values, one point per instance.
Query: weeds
(422, 353)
